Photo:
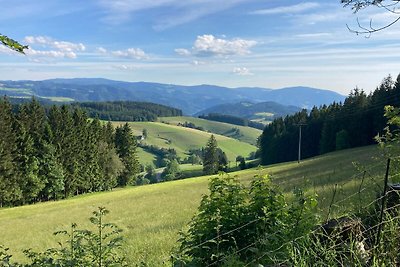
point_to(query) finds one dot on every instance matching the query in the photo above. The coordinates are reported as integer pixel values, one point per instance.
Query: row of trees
(127, 110)
(340, 125)
(59, 153)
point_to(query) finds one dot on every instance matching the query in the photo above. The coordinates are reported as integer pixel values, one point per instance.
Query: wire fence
(367, 207)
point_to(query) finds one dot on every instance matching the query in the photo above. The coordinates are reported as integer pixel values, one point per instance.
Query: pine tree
(28, 165)
(125, 144)
(210, 158)
(10, 191)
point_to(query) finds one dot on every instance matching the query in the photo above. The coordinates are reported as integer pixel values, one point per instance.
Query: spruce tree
(10, 190)
(210, 158)
(125, 144)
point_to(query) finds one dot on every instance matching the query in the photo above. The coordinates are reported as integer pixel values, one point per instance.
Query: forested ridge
(113, 110)
(53, 154)
(353, 123)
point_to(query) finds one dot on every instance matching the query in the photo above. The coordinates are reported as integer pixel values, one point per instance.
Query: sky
(235, 43)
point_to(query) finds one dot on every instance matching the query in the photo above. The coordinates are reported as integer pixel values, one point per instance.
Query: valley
(151, 216)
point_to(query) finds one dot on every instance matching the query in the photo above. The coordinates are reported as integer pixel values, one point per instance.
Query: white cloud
(6, 50)
(51, 49)
(242, 71)
(101, 50)
(50, 53)
(182, 52)
(299, 8)
(125, 67)
(59, 45)
(198, 63)
(135, 53)
(208, 45)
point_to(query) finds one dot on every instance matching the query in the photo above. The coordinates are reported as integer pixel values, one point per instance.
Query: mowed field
(246, 134)
(183, 139)
(152, 215)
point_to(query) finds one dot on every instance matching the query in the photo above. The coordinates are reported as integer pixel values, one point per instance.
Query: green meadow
(152, 215)
(246, 134)
(183, 139)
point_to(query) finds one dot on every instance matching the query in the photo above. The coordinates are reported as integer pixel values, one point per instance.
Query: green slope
(152, 215)
(247, 134)
(183, 139)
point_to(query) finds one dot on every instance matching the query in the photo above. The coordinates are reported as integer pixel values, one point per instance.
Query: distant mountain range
(190, 99)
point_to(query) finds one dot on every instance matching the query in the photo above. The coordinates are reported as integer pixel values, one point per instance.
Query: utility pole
(299, 155)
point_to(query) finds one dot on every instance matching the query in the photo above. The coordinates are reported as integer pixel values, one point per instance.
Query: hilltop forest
(353, 123)
(53, 155)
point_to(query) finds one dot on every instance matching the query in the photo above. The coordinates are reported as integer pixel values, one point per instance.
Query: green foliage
(233, 220)
(125, 144)
(210, 157)
(353, 123)
(57, 154)
(82, 247)
(342, 140)
(171, 171)
(5, 257)
(12, 44)
(127, 110)
(389, 141)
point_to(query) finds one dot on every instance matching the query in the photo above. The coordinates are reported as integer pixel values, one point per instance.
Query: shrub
(235, 224)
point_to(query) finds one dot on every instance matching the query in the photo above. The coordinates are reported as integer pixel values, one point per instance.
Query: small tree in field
(210, 158)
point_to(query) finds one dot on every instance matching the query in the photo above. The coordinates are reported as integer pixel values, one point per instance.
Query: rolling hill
(190, 99)
(245, 134)
(252, 111)
(183, 139)
(152, 215)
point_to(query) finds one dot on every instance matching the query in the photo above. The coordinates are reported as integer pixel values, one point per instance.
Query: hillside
(245, 134)
(183, 139)
(252, 111)
(151, 216)
(190, 99)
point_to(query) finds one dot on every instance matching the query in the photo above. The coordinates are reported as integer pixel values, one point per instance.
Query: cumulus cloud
(292, 9)
(49, 53)
(51, 48)
(208, 45)
(135, 53)
(242, 71)
(59, 45)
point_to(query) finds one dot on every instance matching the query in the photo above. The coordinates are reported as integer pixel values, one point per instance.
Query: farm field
(183, 139)
(246, 134)
(152, 215)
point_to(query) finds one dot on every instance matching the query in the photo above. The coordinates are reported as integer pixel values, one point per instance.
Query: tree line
(54, 154)
(353, 123)
(127, 110)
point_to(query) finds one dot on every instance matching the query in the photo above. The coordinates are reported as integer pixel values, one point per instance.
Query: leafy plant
(100, 248)
(235, 224)
(12, 44)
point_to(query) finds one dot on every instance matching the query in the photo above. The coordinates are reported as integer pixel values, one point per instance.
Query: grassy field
(247, 134)
(152, 215)
(183, 139)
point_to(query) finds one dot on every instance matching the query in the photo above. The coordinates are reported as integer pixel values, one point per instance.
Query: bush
(235, 224)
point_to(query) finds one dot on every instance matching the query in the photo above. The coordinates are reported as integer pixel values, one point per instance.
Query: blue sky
(262, 43)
